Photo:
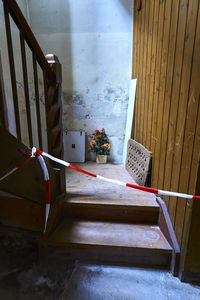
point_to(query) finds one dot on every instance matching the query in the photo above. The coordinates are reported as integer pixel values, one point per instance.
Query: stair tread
(85, 189)
(110, 200)
(107, 234)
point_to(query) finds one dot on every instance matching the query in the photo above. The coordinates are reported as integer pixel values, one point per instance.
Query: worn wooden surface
(108, 234)
(92, 189)
(168, 231)
(53, 108)
(190, 264)
(28, 181)
(104, 241)
(20, 213)
(114, 212)
(12, 69)
(167, 98)
(90, 198)
(101, 220)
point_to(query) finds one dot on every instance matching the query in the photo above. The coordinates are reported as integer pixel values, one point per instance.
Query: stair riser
(130, 214)
(117, 255)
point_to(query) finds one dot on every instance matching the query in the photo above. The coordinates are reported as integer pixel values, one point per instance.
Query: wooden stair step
(111, 242)
(102, 201)
(110, 209)
(89, 188)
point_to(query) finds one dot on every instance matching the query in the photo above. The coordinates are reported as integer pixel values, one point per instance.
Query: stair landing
(91, 190)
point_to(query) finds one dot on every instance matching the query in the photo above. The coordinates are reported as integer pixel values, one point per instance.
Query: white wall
(93, 40)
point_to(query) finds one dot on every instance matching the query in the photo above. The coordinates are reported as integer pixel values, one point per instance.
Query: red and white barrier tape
(134, 186)
(37, 153)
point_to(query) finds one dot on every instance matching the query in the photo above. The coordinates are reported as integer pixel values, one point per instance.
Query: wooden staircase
(93, 221)
(107, 223)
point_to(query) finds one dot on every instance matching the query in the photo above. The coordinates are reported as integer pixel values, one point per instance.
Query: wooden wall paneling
(181, 119)
(190, 266)
(143, 100)
(152, 73)
(150, 16)
(167, 96)
(169, 101)
(135, 64)
(182, 19)
(134, 56)
(157, 84)
(141, 16)
(138, 24)
(163, 75)
(190, 181)
(188, 174)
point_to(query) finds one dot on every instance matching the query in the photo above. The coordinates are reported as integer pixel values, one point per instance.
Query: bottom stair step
(111, 242)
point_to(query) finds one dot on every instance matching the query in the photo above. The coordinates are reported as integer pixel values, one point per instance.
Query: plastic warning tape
(130, 185)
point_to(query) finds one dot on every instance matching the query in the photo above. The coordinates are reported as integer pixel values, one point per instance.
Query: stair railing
(52, 79)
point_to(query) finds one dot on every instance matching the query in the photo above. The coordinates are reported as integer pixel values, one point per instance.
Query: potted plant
(100, 145)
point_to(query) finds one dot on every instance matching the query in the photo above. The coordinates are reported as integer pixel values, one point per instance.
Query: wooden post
(53, 107)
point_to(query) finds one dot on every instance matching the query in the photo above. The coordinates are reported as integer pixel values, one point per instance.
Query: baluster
(3, 107)
(37, 100)
(26, 89)
(12, 70)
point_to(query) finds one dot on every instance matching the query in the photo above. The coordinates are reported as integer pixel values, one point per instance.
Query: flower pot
(101, 159)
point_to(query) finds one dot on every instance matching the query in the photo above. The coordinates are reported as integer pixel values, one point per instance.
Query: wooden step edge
(111, 213)
(103, 201)
(92, 245)
(109, 205)
(126, 256)
(167, 229)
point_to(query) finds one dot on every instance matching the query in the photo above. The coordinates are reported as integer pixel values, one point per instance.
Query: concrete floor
(124, 283)
(23, 277)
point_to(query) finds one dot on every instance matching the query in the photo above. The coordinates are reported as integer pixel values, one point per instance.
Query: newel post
(53, 106)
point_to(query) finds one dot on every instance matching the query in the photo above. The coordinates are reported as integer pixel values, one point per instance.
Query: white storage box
(74, 146)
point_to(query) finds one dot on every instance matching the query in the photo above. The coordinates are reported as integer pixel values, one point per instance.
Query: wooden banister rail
(52, 79)
(13, 9)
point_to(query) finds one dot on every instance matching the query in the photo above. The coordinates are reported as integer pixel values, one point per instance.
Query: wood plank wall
(166, 62)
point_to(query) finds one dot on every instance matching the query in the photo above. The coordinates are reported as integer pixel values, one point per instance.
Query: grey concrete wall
(93, 40)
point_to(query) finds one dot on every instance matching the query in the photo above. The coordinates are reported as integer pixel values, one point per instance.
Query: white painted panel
(74, 146)
(129, 121)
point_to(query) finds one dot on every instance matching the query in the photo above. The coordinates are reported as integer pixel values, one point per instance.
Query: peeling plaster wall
(93, 41)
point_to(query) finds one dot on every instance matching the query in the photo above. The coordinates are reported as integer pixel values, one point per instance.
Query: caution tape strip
(130, 185)
(36, 153)
(39, 155)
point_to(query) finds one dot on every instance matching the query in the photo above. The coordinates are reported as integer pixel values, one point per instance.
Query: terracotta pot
(101, 159)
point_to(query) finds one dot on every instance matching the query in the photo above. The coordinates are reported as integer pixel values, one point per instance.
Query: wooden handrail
(52, 79)
(29, 37)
